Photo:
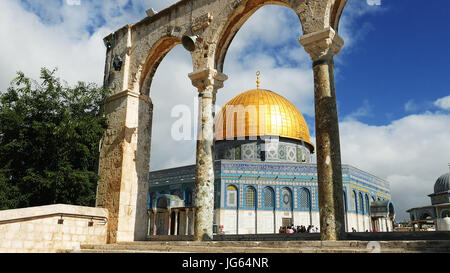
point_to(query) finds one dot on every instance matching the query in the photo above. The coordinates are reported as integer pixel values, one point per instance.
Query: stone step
(272, 247)
(301, 244)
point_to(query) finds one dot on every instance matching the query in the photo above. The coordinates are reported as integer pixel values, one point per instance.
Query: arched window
(361, 203)
(345, 201)
(151, 198)
(286, 199)
(250, 197)
(305, 199)
(269, 198)
(367, 204)
(188, 200)
(354, 201)
(231, 196)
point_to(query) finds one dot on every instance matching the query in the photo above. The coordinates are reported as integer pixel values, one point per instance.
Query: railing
(67, 215)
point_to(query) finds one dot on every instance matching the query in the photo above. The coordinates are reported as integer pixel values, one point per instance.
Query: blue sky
(391, 76)
(403, 57)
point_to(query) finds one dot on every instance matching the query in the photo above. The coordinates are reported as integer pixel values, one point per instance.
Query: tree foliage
(49, 142)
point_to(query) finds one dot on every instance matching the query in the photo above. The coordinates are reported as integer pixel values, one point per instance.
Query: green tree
(49, 142)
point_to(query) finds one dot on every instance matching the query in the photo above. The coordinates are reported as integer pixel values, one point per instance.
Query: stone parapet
(51, 228)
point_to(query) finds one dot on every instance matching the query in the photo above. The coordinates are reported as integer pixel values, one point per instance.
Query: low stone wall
(51, 228)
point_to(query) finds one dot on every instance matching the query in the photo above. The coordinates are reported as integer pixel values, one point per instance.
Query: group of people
(299, 229)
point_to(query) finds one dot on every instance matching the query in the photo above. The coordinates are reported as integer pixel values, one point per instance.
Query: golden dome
(261, 112)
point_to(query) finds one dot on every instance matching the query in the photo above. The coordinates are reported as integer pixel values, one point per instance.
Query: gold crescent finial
(257, 79)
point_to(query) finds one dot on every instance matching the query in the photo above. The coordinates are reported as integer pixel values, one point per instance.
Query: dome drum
(275, 150)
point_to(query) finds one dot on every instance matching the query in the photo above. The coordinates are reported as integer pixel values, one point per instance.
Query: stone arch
(153, 60)
(313, 16)
(234, 23)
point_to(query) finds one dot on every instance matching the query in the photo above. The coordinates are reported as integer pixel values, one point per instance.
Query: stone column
(154, 222)
(186, 232)
(322, 46)
(207, 82)
(170, 222)
(193, 222)
(175, 232)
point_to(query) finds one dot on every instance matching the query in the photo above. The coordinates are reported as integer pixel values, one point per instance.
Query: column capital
(207, 77)
(322, 45)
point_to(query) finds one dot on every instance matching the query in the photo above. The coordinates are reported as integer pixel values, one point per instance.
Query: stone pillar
(125, 148)
(193, 222)
(154, 222)
(186, 232)
(170, 222)
(149, 224)
(175, 232)
(207, 82)
(322, 46)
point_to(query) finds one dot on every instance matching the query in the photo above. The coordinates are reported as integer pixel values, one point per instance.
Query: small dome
(442, 184)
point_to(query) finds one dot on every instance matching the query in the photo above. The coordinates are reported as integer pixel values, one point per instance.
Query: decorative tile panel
(291, 153)
(248, 151)
(282, 152)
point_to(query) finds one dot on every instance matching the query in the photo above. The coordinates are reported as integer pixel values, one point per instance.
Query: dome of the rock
(260, 112)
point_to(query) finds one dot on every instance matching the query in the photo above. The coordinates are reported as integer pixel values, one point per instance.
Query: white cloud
(411, 106)
(443, 103)
(410, 153)
(70, 37)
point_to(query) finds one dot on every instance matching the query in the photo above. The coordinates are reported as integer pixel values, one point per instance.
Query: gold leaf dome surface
(260, 112)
